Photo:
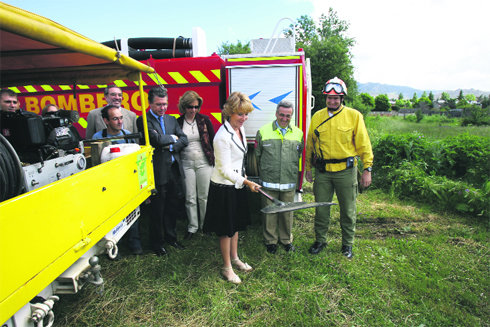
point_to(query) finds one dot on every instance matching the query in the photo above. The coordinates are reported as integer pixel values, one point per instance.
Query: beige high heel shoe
(234, 280)
(242, 266)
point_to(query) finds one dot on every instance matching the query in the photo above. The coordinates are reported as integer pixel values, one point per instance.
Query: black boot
(317, 247)
(347, 251)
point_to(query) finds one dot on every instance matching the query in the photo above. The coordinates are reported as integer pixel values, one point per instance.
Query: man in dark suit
(168, 139)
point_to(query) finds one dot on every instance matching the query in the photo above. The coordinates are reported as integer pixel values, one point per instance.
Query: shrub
(475, 115)
(412, 181)
(466, 157)
(452, 173)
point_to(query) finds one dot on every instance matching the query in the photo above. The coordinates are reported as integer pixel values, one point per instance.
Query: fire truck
(49, 236)
(274, 71)
(57, 212)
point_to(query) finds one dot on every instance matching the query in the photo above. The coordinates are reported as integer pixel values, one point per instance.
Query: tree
(470, 97)
(484, 100)
(329, 51)
(431, 96)
(367, 100)
(414, 99)
(452, 103)
(400, 96)
(400, 103)
(419, 115)
(445, 96)
(382, 103)
(460, 96)
(424, 103)
(228, 48)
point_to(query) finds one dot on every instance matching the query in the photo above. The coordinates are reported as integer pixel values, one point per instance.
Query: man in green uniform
(336, 136)
(278, 150)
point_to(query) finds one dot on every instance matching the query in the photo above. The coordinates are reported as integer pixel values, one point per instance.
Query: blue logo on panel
(275, 100)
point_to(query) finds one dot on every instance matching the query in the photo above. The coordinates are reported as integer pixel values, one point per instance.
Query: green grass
(412, 267)
(432, 127)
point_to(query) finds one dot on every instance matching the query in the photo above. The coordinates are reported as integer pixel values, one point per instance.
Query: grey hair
(284, 104)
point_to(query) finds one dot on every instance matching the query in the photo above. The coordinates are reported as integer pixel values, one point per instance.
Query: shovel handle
(276, 201)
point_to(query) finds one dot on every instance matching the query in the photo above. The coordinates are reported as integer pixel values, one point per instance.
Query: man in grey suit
(113, 96)
(168, 139)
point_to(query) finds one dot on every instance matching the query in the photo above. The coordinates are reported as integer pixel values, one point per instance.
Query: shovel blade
(293, 206)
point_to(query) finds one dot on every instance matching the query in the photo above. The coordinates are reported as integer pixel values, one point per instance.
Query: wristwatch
(369, 169)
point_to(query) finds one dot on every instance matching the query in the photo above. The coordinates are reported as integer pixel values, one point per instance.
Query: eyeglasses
(284, 115)
(336, 87)
(193, 107)
(117, 118)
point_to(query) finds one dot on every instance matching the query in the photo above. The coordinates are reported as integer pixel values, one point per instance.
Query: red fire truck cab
(267, 78)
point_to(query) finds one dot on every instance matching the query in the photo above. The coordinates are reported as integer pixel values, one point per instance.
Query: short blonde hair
(187, 98)
(237, 103)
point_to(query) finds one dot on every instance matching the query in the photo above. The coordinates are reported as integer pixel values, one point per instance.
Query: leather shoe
(289, 247)
(347, 251)
(160, 252)
(317, 247)
(176, 245)
(271, 248)
(188, 236)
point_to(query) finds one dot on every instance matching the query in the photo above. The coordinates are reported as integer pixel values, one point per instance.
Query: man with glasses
(113, 119)
(113, 96)
(337, 135)
(278, 150)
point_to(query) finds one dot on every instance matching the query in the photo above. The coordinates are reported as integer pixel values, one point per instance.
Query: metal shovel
(279, 206)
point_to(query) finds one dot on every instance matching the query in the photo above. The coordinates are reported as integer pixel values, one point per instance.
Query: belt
(335, 160)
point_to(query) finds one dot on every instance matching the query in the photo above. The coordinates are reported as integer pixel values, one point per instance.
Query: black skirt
(227, 211)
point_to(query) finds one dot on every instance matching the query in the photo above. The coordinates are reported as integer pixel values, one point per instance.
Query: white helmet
(335, 86)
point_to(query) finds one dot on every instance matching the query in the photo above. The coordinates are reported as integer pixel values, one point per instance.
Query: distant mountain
(393, 91)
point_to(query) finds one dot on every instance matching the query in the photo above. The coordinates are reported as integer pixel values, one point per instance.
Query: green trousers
(278, 226)
(344, 184)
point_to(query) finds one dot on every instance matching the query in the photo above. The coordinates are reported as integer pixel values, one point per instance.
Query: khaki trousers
(278, 227)
(344, 184)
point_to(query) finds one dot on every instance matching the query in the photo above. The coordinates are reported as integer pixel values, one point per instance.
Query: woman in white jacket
(227, 211)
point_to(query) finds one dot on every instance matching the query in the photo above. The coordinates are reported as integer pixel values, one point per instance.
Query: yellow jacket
(341, 137)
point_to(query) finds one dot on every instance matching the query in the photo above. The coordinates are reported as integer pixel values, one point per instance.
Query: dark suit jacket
(162, 157)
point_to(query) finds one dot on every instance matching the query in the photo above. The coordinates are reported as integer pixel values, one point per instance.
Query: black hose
(160, 54)
(153, 43)
(11, 173)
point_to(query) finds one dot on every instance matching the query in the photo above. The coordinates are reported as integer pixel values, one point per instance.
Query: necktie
(162, 125)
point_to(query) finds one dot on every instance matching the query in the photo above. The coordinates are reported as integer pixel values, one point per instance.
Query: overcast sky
(425, 44)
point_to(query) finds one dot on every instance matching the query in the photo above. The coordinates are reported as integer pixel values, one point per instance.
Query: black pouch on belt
(320, 165)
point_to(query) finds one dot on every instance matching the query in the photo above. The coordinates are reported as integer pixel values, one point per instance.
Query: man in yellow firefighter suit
(278, 150)
(337, 134)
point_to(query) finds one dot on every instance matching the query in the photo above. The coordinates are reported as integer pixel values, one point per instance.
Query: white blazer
(229, 153)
